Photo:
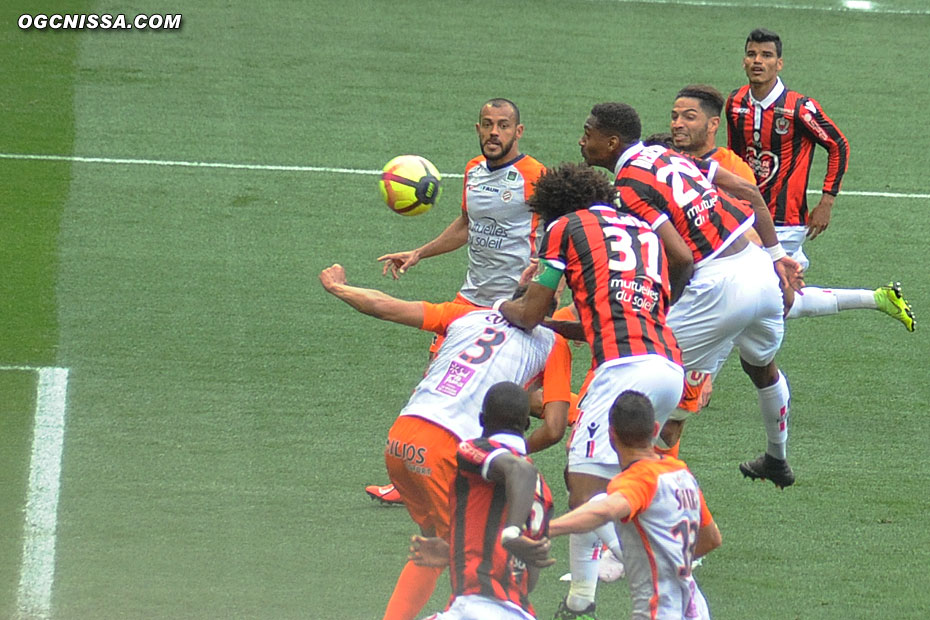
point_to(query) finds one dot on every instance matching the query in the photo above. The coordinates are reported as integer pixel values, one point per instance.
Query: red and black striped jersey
(479, 563)
(616, 268)
(659, 184)
(776, 137)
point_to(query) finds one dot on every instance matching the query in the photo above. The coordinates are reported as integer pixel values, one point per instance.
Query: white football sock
(855, 299)
(774, 403)
(584, 550)
(813, 301)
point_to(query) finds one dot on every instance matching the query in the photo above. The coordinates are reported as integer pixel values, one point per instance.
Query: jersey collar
(511, 441)
(504, 165)
(770, 98)
(627, 155)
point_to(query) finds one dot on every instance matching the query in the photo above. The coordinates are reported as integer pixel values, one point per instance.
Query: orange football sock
(414, 587)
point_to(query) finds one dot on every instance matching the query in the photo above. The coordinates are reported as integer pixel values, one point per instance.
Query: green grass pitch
(224, 414)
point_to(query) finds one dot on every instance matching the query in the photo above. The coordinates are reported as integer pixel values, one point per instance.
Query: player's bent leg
(669, 438)
(420, 459)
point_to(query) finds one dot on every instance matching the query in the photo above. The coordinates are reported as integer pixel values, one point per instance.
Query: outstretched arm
(370, 301)
(452, 238)
(591, 515)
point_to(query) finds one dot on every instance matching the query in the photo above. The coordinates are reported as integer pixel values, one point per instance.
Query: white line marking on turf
(37, 572)
(279, 168)
(184, 164)
(830, 8)
(858, 5)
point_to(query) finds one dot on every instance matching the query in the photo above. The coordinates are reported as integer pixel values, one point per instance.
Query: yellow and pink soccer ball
(410, 184)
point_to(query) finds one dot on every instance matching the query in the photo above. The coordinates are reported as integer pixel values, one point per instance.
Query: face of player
(761, 63)
(693, 131)
(597, 147)
(498, 134)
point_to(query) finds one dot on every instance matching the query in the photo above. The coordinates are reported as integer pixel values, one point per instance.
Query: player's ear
(655, 430)
(519, 131)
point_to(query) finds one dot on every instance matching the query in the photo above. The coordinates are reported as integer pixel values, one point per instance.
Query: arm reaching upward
(370, 301)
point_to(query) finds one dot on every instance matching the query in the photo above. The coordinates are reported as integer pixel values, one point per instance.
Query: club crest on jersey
(781, 125)
(506, 195)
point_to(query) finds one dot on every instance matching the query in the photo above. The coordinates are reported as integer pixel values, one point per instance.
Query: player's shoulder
(529, 167)
(477, 450)
(739, 93)
(473, 162)
(646, 469)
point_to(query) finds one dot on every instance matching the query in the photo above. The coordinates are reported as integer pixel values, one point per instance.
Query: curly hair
(569, 187)
(663, 138)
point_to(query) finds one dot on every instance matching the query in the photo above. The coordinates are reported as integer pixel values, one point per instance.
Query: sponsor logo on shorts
(413, 456)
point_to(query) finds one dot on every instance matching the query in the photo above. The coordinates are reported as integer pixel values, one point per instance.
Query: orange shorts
(420, 459)
(438, 338)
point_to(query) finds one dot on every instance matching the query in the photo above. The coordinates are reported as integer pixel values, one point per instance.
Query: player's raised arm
(529, 310)
(370, 301)
(452, 238)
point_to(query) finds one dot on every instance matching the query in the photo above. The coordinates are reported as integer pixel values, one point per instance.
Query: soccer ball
(410, 184)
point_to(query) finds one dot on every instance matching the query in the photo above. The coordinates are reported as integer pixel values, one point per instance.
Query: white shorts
(792, 238)
(730, 301)
(661, 380)
(477, 607)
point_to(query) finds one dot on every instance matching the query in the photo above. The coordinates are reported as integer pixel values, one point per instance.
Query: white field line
(284, 168)
(37, 571)
(844, 7)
